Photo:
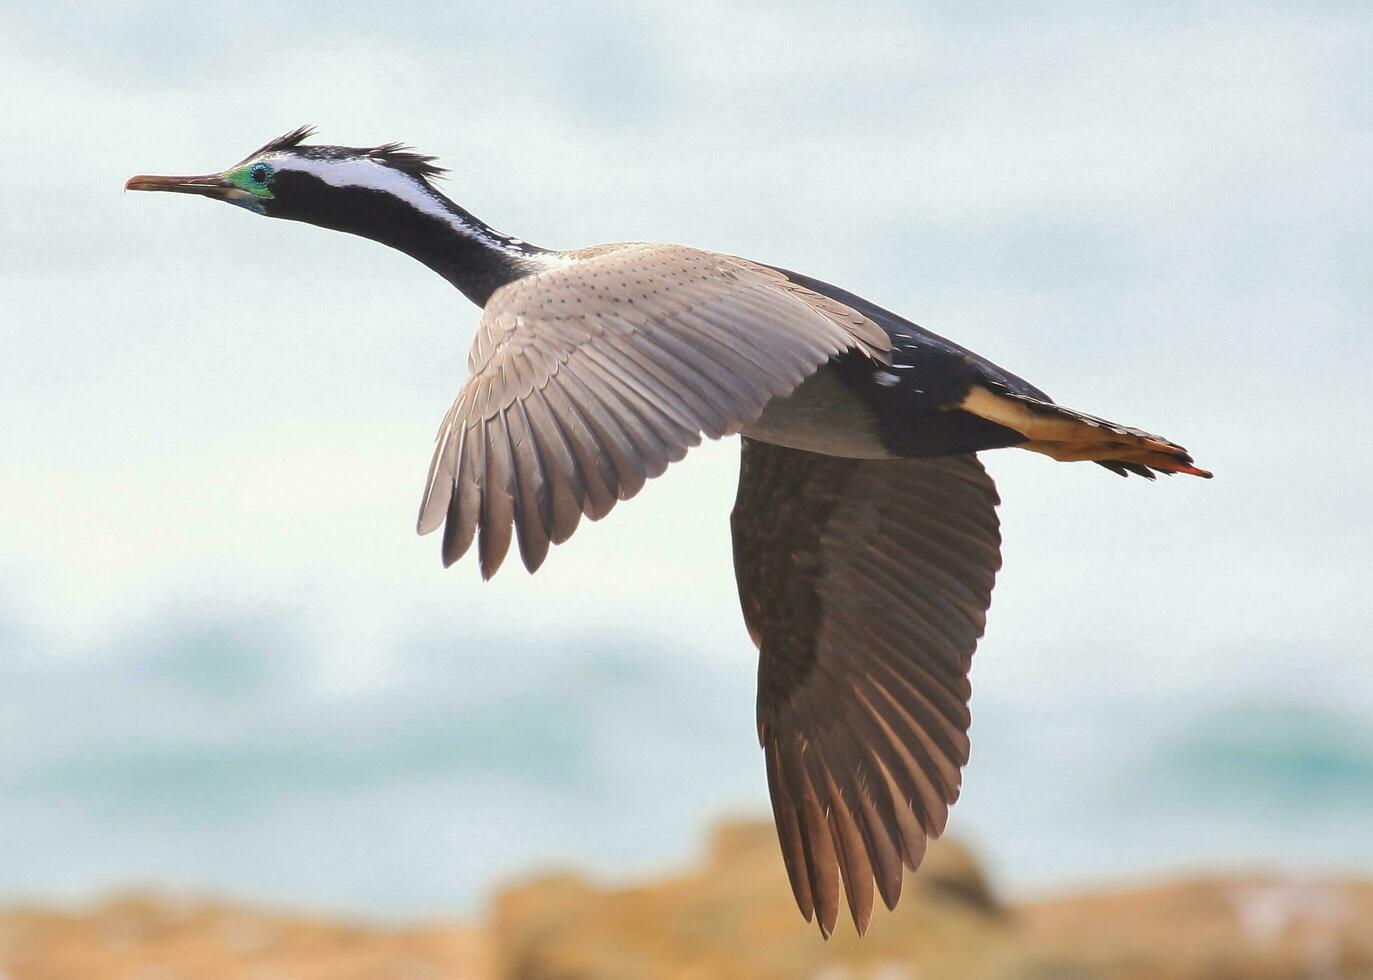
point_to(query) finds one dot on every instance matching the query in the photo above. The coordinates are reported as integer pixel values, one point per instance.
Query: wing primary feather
(864, 824)
(619, 448)
(597, 469)
(939, 764)
(853, 852)
(822, 866)
(847, 753)
(912, 754)
(912, 838)
(880, 836)
(709, 395)
(568, 493)
(950, 738)
(646, 454)
(544, 473)
(824, 863)
(901, 781)
(788, 832)
(659, 439)
(529, 489)
(464, 505)
(651, 450)
(493, 536)
(438, 485)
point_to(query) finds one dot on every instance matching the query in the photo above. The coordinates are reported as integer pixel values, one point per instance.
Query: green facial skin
(256, 179)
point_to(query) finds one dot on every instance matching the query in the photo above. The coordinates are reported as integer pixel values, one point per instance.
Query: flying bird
(865, 533)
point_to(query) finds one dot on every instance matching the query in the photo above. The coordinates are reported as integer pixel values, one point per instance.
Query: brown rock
(733, 917)
(146, 938)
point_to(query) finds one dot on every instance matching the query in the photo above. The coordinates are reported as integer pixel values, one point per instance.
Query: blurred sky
(227, 663)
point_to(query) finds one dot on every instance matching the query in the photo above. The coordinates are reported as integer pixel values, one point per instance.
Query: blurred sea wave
(203, 752)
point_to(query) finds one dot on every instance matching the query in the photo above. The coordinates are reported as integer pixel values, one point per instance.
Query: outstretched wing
(865, 585)
(590, 377)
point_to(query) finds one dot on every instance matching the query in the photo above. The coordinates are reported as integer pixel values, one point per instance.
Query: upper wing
(590, 377)
(865, 584)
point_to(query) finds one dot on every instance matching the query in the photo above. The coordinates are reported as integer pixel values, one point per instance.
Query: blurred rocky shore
(732, 917)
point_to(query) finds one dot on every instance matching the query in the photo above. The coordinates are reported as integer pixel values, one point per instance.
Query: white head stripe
(414, 191)
(362, 172)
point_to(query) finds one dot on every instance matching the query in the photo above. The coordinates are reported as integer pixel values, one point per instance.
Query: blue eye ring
(261, 174)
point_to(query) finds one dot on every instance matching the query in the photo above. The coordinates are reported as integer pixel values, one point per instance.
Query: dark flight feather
(865, 584)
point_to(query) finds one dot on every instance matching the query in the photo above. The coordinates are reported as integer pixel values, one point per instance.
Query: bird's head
(384, 193)
(333, 186)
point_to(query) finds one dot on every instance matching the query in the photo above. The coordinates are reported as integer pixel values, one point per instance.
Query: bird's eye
(261, 173)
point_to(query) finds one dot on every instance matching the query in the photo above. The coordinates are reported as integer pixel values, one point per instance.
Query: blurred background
(229, 667)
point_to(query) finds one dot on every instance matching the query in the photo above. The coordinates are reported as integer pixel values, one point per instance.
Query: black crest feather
(397, 155)
(284, 142)
(404, 158)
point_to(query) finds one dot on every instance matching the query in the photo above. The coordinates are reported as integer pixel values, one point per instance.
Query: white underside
(821, 416)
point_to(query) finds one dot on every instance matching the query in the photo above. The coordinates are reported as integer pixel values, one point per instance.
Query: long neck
(421, 222)
(471, 255)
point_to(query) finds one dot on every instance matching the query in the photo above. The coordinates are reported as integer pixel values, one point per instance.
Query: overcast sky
(216, 427)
